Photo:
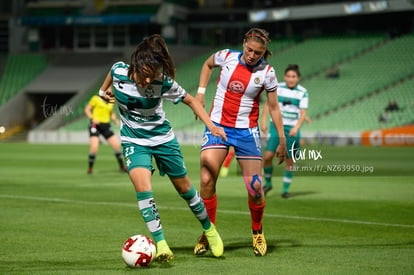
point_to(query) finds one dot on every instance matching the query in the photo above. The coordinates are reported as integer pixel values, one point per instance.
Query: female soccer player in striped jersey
(244, 75)
(139, 89)
(293, 101)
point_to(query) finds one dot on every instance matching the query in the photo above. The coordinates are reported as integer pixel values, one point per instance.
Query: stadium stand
(19, 70)
(371, 73)
(317, 55)
(363, 114)
(373, 69)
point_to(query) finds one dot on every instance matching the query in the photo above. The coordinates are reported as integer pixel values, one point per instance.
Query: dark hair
(259, 35)
(293, 67)
(150, 56)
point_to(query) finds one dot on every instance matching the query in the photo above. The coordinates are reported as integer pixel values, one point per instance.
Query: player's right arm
(105, 91)
(205, 75)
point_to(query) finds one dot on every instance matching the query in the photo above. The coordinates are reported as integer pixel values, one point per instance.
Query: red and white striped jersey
(236, 103)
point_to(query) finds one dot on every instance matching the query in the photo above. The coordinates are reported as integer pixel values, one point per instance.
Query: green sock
(268, 171)
(149, 212)
(287, 180)
(196, 205)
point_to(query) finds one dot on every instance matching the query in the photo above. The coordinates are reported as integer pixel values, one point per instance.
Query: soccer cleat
(285, 195)
(214, 241)
(164, 253)
(267, 189)
(201, 246)
(123, 169)
(90, 170)
(224, 171)
(259, 243)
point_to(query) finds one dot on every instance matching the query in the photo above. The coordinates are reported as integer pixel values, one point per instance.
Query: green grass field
(56, 219)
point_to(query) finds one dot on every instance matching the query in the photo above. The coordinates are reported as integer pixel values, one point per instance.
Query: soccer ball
(138, 250)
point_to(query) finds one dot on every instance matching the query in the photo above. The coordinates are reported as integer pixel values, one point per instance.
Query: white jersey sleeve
(175, 92)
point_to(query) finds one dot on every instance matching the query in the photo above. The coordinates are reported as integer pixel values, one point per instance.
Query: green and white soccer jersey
(291, 101)
(143, 120)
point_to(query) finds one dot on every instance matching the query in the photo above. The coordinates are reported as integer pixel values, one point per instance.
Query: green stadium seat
(19, 70)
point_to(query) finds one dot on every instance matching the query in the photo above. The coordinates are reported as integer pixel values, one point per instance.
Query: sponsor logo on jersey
(236, 86)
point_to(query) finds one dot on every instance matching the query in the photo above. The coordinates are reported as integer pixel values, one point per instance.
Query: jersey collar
(249, 66)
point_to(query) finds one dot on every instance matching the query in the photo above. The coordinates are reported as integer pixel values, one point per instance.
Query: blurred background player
(139, 89)
(243, 76)
(224, 171)
(293, 102)
(100, 112)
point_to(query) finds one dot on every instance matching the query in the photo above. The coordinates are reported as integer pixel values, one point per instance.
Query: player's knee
(254, 185)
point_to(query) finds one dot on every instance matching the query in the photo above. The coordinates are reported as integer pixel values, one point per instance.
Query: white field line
(231, 212)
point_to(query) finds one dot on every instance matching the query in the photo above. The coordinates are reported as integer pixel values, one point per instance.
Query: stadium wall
(17, 112)
(398, 136)
(82, 137)
(190, 137)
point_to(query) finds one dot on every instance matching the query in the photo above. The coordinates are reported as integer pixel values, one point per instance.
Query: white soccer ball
(138, 250)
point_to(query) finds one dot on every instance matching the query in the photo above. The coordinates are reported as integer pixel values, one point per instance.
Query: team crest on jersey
(236, 86)
(257, 80)
(149, 91)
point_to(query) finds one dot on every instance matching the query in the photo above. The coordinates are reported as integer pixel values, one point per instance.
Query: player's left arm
(276, 115)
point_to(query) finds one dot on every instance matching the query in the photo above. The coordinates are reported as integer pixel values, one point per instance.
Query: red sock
(256, 213)
(228, 159)
(211, 207)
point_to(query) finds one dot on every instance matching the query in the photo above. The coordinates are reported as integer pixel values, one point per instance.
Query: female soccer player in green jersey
(293, 102)
(139, 89)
